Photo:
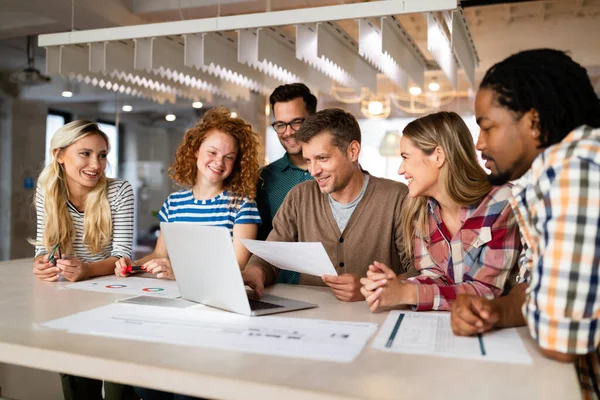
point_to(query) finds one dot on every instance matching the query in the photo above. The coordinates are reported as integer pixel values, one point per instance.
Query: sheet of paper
(304, 257)
(290, 337)
(431, 334)
(131, 285)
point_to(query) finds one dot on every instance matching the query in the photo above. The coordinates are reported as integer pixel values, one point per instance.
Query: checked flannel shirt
(557, 206)
(476, 260)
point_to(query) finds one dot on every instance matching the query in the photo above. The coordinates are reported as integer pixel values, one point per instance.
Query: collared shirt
(476, 260)
(276, 180)
(558, 211)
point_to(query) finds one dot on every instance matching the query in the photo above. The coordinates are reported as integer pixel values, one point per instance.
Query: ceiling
(498, 28)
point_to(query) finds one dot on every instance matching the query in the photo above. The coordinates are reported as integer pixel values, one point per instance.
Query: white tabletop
(25, 302)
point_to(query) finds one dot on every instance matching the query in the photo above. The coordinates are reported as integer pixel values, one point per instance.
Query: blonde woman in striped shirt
(89, 216)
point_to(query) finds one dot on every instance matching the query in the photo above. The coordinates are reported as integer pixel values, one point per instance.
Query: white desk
(25, 302)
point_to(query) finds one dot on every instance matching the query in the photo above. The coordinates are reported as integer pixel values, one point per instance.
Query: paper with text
(325, 340)
(304, 257)
(431, 334)
(131, 286)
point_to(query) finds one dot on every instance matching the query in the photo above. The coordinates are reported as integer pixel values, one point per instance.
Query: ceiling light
(127, 108)
(170, 117)
(197, 104)
(66, 93)
(414, 90)
(234, 114)
(434, 86)
(375, 107)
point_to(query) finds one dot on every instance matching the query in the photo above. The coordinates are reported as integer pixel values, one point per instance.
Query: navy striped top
(120, 199)
(219, 211)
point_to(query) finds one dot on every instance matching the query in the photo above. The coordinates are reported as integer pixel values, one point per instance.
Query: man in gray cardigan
(356, 216)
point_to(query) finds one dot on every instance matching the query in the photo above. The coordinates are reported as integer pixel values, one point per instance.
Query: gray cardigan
(373, 232)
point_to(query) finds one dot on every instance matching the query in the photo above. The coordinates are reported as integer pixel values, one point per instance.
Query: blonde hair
(461, 176)
(52, 183)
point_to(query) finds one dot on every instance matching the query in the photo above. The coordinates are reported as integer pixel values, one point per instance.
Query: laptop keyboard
(261, 305)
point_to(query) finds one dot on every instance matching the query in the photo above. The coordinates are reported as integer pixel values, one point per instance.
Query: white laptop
(207, 272)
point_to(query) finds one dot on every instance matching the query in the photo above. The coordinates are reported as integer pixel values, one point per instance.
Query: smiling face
(84, 162)
(292, 112)
(331, 168)
(215, 158)
(507, 143)
(419, 169)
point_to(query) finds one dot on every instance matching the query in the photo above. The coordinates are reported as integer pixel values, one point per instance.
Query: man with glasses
(290, 104)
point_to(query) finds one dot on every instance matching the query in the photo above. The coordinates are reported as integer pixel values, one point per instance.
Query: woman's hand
(383, 290)
(73, 269)
(161, 267)
(44, 269)
(121, 267)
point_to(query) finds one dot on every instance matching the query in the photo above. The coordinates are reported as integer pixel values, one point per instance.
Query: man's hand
(254, 276)
(471, 315)
(73, 269)
(346, 287)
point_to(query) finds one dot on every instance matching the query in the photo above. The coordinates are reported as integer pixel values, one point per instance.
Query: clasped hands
(383, 290)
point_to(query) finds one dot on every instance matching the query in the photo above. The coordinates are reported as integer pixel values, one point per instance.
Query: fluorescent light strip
(235, 22)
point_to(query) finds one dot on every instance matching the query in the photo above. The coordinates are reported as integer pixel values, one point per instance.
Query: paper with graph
(131, 285)
(430, 333)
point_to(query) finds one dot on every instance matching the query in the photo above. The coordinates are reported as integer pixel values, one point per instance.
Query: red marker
(133, 268)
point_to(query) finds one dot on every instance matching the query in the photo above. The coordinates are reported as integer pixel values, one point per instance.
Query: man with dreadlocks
(540, 118)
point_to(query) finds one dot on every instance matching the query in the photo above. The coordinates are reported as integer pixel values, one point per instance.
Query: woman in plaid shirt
(540, 125)
(459, 230)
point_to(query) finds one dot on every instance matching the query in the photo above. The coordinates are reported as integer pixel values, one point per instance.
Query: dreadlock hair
(550, 82)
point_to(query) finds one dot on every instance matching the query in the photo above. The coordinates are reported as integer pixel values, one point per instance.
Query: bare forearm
(101, 268)
(510, 307)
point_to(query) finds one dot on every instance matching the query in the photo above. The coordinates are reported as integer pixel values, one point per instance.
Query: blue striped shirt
(221, 210)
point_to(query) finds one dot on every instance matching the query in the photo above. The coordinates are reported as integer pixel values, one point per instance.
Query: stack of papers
(430, 333)
(290, 337)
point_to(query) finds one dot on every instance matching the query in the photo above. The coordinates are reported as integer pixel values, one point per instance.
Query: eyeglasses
(281, 126)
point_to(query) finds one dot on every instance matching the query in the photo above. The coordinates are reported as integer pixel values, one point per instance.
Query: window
(53, 122)
(113, 156)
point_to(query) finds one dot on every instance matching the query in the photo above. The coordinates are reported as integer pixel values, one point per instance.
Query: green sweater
(373, 232)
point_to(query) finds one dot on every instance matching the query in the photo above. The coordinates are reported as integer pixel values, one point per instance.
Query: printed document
(430, 333)
(132, 285)
(324, 340)
(304, 257)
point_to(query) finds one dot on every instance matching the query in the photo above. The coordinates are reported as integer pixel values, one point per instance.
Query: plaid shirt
(476, 260)
(557, 206)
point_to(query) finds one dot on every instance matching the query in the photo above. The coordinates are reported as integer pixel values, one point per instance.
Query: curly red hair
(242, 181)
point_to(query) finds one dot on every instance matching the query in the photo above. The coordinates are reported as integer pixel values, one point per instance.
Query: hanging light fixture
(433, 85)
